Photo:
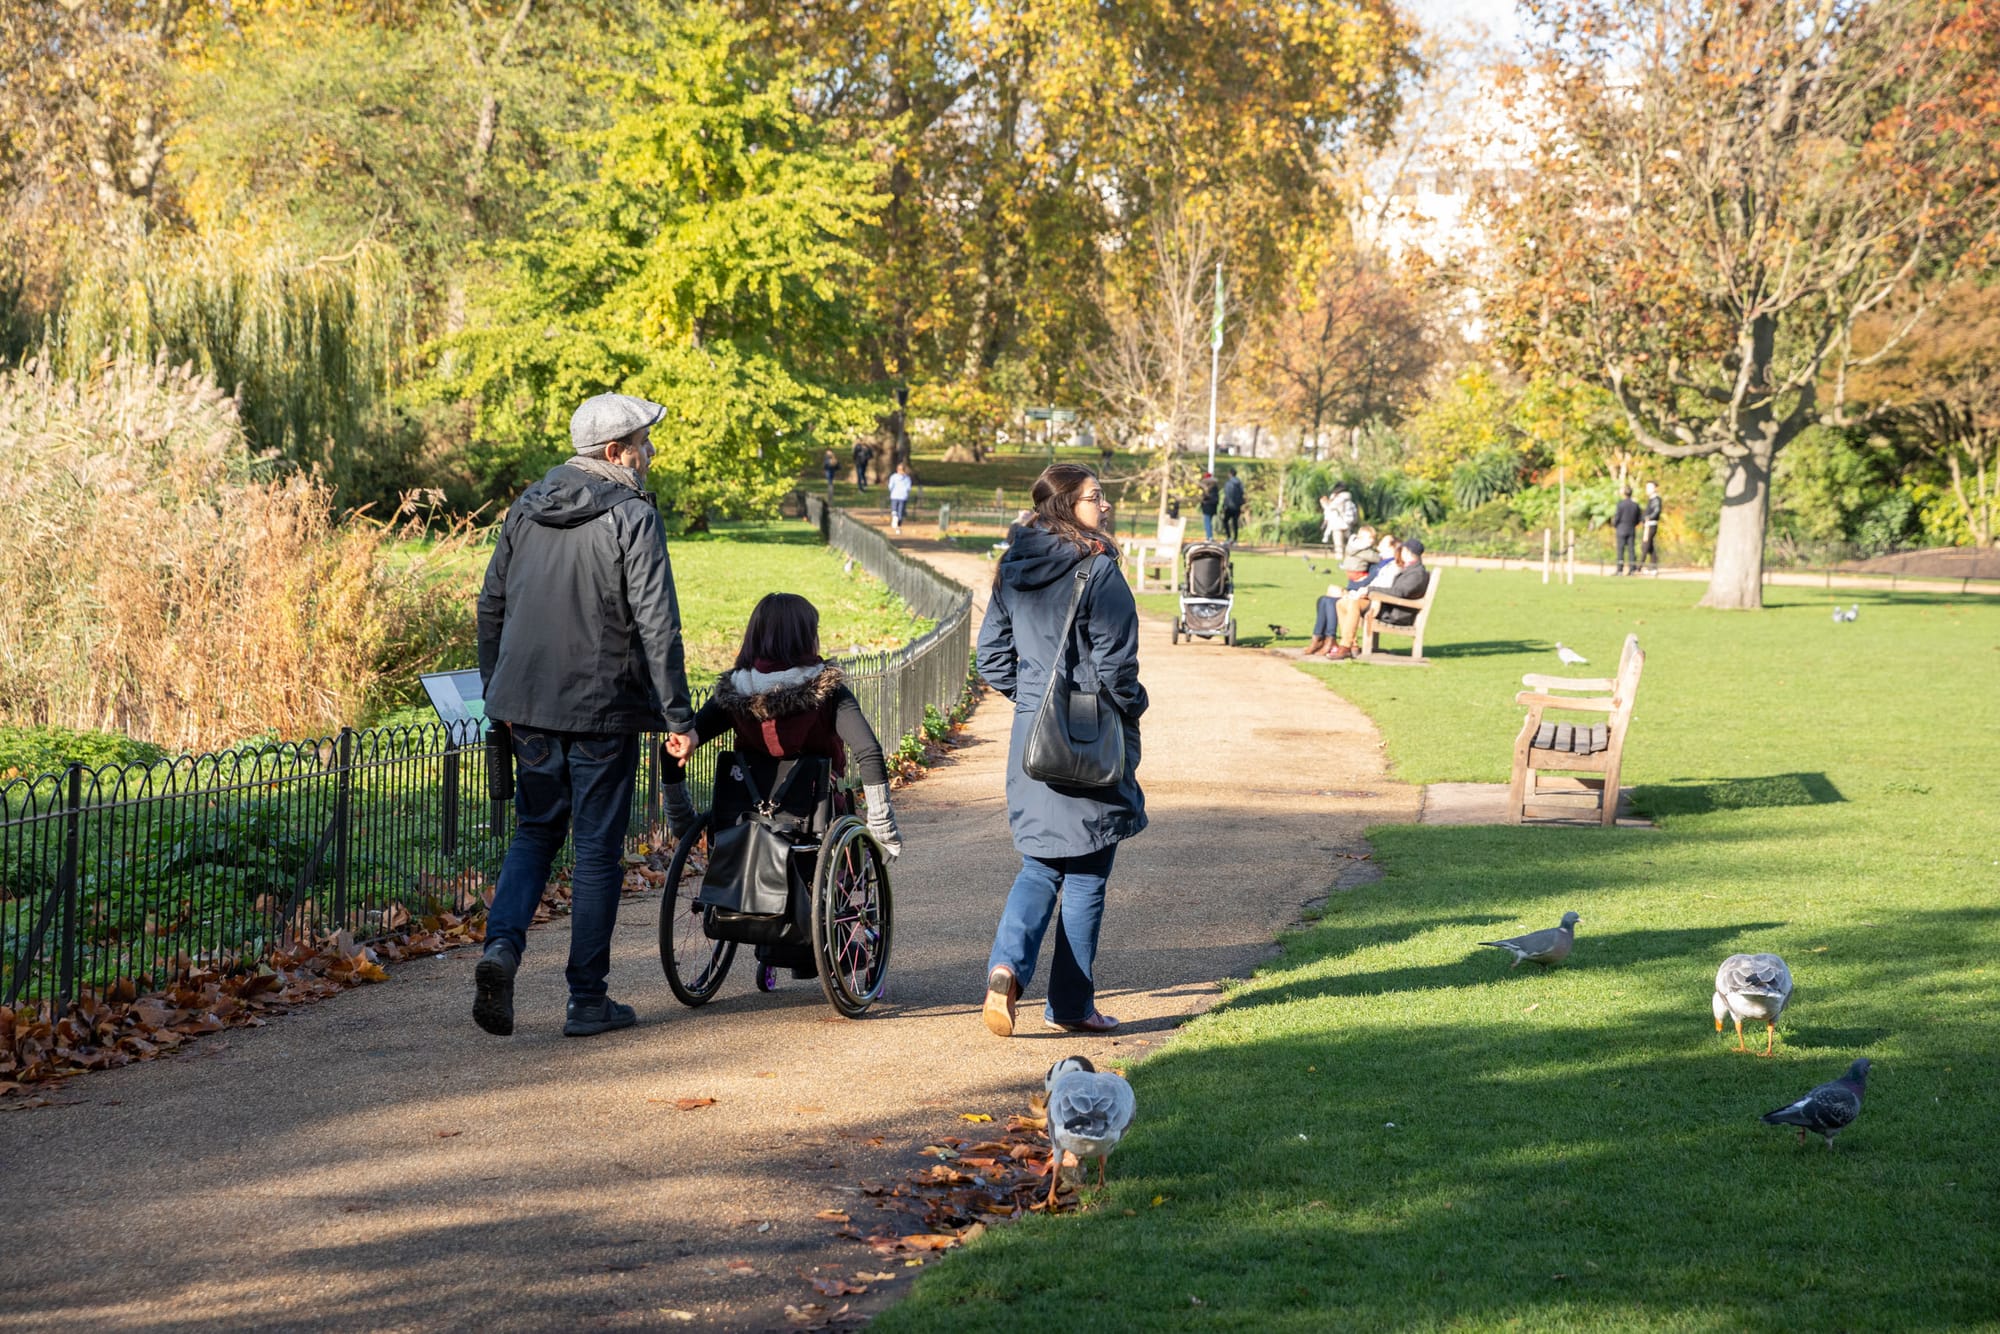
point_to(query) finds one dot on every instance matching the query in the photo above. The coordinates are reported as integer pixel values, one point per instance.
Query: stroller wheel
(1229, 634)
(1177, 632)
(767, 977)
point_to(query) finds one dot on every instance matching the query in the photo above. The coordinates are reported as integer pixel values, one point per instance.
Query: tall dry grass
(157, 585)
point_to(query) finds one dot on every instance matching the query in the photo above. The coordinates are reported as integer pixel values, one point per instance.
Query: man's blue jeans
(568, 781)
(1078, 882)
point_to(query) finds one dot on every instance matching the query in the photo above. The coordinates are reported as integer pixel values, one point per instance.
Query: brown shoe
(1002, 990)
(1317, 646)
(1341, 653)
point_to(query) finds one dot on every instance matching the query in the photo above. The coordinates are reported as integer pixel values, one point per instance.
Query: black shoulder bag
(1078, 739)
(749, 864)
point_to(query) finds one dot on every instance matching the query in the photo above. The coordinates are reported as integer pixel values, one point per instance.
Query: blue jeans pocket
(598, 749)
(532, 748)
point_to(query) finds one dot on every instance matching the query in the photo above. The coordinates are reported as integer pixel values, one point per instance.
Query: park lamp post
(1214, 366)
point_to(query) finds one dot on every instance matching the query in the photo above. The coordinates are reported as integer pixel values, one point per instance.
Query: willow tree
(1723, 190)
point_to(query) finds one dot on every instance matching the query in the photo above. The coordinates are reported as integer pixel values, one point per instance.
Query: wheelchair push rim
(694, 964)
(851, 918)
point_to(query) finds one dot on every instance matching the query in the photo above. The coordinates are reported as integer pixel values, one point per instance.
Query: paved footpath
(376, 1162)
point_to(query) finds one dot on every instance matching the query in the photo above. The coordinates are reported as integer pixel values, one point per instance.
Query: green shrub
(27, 751)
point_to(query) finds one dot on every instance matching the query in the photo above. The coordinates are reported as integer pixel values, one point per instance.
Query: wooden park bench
(1371, 650)
(1588, 753)
(1163, 549)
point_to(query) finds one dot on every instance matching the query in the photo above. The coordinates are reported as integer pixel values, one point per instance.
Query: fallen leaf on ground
(974, 1116)
(837, 1287)
(831, 1216)
(693, 1104)
(450, 1134)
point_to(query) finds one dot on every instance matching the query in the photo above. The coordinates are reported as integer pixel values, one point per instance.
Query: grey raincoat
(1017, 649)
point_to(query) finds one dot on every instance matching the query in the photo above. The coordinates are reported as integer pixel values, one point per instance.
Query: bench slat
(1565, 736)
(1545, 736)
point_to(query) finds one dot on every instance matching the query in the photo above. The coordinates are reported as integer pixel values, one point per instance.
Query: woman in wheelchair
(785, 702)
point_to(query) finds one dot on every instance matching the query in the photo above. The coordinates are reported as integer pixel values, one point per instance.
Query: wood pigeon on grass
(1543, 947)
(1828, 1109)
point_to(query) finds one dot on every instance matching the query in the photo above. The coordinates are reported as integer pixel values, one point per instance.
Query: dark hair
(784, 628)
(1055, 506)
(1628, 493)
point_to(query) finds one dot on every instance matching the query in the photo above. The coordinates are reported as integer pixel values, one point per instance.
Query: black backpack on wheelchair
(792, 872)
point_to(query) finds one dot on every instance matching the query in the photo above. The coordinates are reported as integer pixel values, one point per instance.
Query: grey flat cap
(610, 417)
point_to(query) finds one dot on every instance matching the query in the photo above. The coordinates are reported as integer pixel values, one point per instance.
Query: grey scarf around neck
(597, 466)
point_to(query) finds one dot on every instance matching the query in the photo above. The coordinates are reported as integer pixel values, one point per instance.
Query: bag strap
(778, 794)
(1069, 621)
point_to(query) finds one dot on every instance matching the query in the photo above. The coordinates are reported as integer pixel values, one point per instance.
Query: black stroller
(806, 885)
(1208, 594)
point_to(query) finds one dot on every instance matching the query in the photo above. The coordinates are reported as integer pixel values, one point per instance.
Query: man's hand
(680, 745)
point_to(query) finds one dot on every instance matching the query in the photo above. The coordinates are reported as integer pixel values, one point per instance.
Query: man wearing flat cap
(580, 650)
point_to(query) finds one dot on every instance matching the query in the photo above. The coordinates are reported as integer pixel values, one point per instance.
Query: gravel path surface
(376, 1162)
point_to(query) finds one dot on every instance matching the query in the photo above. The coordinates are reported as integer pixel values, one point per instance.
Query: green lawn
(1387, 1129)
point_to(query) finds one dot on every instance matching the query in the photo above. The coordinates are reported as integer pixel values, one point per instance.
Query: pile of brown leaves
(119, 1025)
(970, 1185)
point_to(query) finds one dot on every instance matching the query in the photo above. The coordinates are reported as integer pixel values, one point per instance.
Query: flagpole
(1214, 366)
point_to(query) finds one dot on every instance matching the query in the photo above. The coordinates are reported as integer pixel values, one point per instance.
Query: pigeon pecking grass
(1828, 1109)
(1752, 986)
(1543, 947)
(1088, 1114)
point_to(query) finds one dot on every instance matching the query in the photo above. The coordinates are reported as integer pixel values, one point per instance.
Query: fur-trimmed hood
(769, 695)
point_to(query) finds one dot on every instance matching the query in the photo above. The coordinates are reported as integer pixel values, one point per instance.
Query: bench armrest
(1414, 604)
(1536, 681)
(1535, 699)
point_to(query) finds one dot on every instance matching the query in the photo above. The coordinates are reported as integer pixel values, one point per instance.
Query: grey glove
(680, 810)
(882, 819)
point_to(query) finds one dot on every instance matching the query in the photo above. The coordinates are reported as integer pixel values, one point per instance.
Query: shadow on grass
(1486, 648)
(1735, 794)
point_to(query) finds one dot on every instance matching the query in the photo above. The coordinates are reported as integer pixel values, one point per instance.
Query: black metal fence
(141, 873)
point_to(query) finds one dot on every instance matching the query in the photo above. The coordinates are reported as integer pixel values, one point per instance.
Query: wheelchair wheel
(694, 964)
(851, 918)
(767, 977)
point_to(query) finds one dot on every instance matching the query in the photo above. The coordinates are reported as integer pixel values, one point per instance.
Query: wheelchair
(838, 915)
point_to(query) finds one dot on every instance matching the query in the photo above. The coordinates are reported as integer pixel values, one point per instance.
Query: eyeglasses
(1094, 498)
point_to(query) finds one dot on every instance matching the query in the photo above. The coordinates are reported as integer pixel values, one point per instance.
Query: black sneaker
(493, 997)
(601, 1014)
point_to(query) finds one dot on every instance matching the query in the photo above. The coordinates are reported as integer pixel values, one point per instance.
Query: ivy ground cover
(1388, 1129)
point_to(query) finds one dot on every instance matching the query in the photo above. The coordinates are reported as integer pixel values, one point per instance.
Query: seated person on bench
(1407, 579)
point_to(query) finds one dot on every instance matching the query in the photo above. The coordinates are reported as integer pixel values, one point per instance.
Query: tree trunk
(1737, 583)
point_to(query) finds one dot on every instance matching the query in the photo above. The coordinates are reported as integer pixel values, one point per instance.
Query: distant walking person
(831, 467)
(862, 454)
(1067, 836)
(1232, 507)
(1339, 516)
(1625, 523)
(580, 652)
(900, 482)
(1211, 496)
(1648, 553)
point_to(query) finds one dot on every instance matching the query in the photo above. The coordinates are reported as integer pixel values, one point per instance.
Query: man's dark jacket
(1232, 493)
(1410, 582)
(1625, 518)
(579, 629)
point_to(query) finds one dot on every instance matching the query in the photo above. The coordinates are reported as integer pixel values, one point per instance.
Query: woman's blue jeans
(1326, 618)
(568, 785)
(1077, 883)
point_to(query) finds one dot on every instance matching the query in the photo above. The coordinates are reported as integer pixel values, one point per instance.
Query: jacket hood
(1036, 558)
(569, 497)
(767, 695)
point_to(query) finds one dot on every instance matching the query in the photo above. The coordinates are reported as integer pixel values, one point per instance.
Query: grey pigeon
(1570, 657)
(1828, 1109)
(1752, 986)
(1542, 947)
(1838, 616)
(1088, 1114)
(1853, 613)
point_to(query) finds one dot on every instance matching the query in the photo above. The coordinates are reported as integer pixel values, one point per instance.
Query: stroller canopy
(1208, 572)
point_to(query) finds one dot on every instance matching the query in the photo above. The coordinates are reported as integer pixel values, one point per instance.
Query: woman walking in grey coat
(1067, 837)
